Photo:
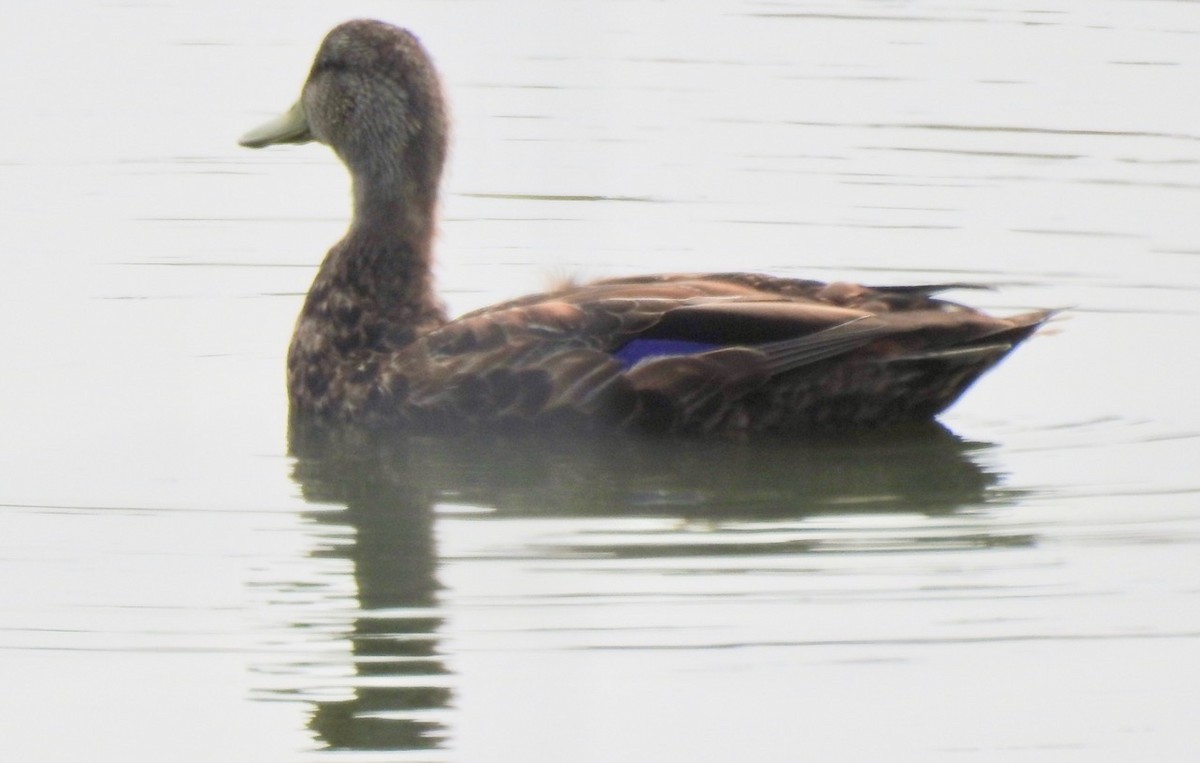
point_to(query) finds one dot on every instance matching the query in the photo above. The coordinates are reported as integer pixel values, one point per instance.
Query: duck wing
(667, 352)
(593, 355)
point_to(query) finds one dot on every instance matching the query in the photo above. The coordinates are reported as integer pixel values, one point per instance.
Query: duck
(730, 353)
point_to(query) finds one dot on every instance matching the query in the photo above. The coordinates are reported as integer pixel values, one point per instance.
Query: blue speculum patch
(641, 349)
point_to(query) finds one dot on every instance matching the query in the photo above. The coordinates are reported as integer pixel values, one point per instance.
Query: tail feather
(1018, 328)
(957, 355)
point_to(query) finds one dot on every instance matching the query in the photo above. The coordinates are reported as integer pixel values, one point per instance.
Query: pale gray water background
(175, 586)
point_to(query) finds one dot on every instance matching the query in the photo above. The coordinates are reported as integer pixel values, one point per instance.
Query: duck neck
(394, 208)
(374, 292)
(390, 243)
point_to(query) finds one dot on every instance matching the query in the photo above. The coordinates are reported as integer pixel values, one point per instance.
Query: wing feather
(556, 354)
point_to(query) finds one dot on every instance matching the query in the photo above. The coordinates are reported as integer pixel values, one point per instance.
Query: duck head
(374, 97)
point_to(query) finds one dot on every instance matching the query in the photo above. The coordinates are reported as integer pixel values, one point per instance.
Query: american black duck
(724, 353)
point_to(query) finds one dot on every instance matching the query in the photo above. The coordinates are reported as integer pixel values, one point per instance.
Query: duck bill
(289, 127)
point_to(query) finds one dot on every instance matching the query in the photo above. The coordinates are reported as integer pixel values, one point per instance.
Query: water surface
(179, 581)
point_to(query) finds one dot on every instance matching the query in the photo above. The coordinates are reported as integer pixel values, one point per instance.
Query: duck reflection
(390, 487)
(399, 675)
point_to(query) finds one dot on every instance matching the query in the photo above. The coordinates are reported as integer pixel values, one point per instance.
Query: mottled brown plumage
(716, 353)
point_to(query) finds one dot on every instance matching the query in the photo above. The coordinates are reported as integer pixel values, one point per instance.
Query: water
(177, 582)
